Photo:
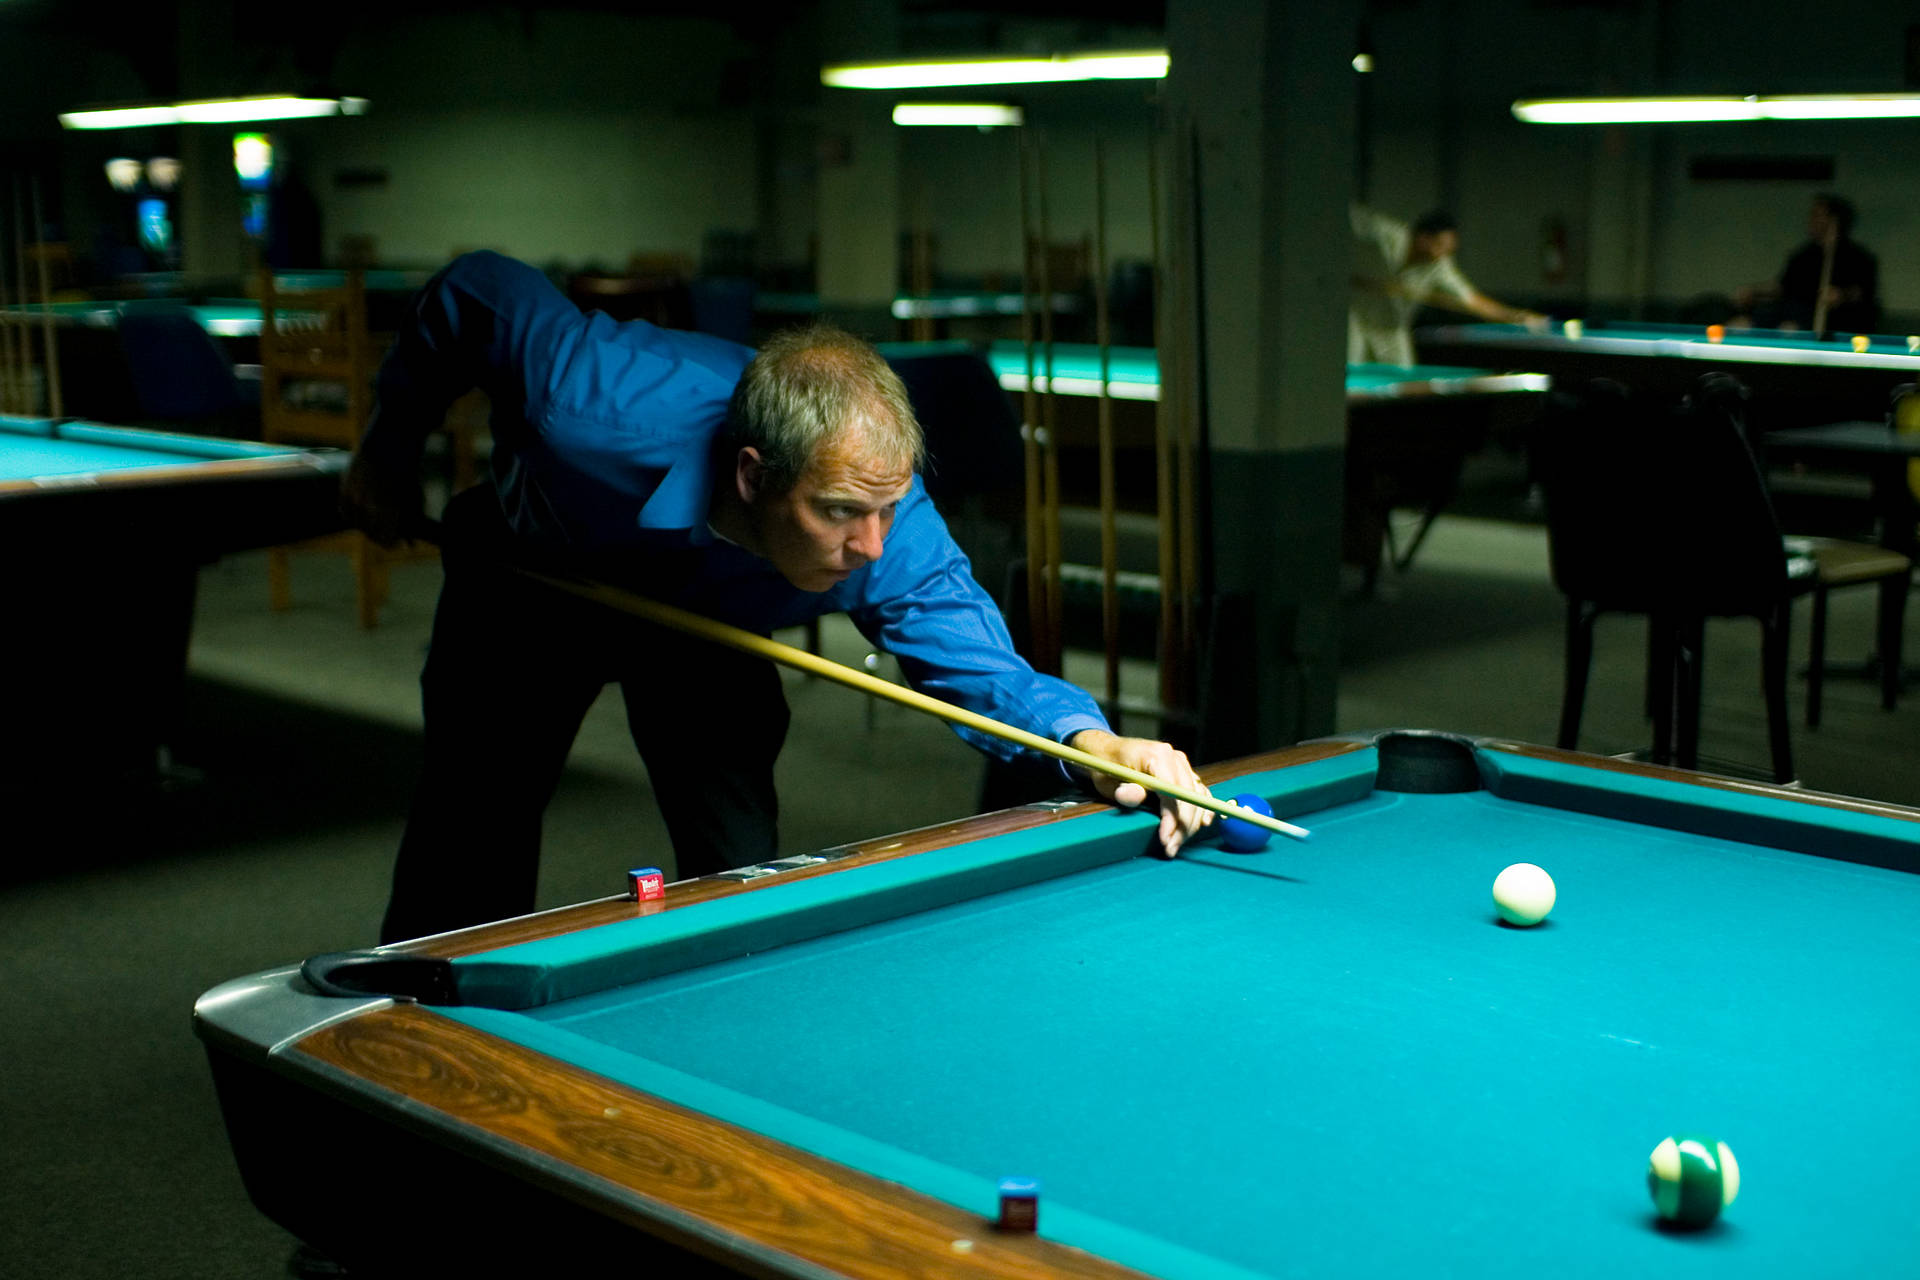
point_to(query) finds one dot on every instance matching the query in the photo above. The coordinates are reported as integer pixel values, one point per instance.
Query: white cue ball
(1523, 894)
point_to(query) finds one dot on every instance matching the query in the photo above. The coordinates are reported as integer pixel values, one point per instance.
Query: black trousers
(511, 671)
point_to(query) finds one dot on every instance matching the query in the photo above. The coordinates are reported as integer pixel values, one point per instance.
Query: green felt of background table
(1689, 342)
(1133, 373)
(223, 318)
(42, 448)
(1329, 1058)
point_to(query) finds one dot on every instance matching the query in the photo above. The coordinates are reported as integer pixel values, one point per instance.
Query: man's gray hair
(811, 384)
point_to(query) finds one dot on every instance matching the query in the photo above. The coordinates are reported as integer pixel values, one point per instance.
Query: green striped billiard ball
(1692, 1179)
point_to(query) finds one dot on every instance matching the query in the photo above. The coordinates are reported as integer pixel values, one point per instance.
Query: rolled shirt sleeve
(920, 602)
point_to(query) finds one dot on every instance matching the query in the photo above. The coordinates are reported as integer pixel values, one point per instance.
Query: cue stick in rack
(1050, 447)
(1170, 693)
(1030, 423)
(921, 326)
(813, 664)
(1109, 536)
(1192, 412)
(9, 382)
(1826, 282)
(50, 348)
(22, 338)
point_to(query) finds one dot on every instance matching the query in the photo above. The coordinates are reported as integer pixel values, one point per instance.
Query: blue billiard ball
(1242, 836)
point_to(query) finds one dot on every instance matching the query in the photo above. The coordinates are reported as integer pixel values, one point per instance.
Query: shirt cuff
(1063, 731)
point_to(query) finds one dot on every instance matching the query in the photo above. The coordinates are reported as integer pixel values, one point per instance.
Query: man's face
(1430, 246)
(1821, 224)
(832, 521)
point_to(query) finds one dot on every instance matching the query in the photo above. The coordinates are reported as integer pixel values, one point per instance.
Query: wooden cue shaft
(813, 664)
(1191, 373)
(922, 323)
(1826, 282)
(22, 337)
(9, 390)
(22, 331)
(1050, 452)
(1170, 693)
(1030, 432)
(48, 341)
(10, 379)
(1109, 535)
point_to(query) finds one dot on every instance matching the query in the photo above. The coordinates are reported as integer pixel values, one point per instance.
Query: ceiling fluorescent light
(119, 118)
(953, 72)
(981, 115)
(241, 110)
(1835, 106)
(214, 111)
(1693, 110)
(1633, 110)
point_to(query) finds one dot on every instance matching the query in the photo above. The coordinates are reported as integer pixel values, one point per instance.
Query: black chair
(181, 374)
(1661, 509)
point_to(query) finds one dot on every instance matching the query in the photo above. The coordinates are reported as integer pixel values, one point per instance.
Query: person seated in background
(1831, 264)
(1397, 269)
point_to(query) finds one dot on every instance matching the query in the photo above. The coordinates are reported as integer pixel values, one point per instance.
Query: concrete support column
(212, 241)
(858, 189)
(1259, 119)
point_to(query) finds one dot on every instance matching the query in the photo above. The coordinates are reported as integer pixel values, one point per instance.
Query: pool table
(1798, 379)
(1410, 430)
(1326, 1057)
(106, 529)
(941, 304)
(234, 318)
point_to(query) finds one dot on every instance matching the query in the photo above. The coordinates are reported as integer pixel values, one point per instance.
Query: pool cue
(49, 344)
(1030, 433)
(22, 333)
(1109, 534)
(813, 664)
(921, 326)
(1189, 424)
(1170, 695)
(1826, 282)
(9, 378)
(1050, 449)
(22, 336)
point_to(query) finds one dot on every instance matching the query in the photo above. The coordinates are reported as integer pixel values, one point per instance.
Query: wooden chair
(317, 361)
(1661, 509)
(654, 288)
(1068, 264)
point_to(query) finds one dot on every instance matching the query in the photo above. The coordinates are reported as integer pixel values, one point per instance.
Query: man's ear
(749, 474)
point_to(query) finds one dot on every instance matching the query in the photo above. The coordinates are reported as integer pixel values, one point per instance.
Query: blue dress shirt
(604, 452)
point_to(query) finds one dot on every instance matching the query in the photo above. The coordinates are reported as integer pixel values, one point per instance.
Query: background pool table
(1798, 379)
(228, 318)
(106, 529)
(1324, 1058)
(1410, 430)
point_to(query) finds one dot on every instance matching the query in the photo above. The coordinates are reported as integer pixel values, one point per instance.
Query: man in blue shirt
(759, 490)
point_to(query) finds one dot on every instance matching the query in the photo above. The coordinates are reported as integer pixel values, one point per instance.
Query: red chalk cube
(646, 884)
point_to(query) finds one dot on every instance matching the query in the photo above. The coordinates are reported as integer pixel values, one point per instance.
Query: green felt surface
(224, 318)
(42, 448)
(1134, 372)
(1760, 346)
(1328, 1058)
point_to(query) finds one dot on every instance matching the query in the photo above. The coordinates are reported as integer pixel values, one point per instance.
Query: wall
(1639, 226)
(970, 179)
(578, 138)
